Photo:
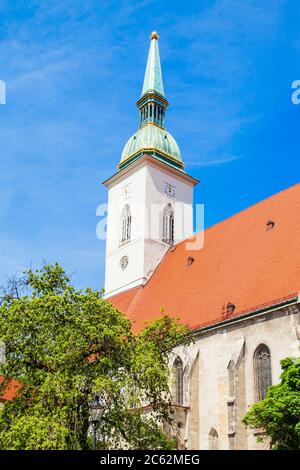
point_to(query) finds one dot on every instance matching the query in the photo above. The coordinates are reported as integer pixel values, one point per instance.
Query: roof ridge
(266, 307)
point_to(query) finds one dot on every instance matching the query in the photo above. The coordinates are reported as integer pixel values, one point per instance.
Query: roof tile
(242, 262)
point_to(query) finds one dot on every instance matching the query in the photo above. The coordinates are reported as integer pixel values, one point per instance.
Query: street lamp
(97, 410)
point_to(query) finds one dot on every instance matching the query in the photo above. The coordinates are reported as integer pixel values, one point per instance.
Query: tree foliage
(63, 345)
(279, 413)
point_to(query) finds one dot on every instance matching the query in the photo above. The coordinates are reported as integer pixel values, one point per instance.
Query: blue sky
(74, 71)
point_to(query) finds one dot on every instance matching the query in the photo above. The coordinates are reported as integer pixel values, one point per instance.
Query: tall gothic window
(262, 371)
(213, 439)
(125, 225)
(178, 386)
(168, 224)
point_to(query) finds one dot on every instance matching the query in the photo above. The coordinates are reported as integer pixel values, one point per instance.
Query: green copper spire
(153, 76)
(152, 103)
(152, 137)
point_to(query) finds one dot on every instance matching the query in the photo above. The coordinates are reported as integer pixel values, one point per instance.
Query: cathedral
(236, 284)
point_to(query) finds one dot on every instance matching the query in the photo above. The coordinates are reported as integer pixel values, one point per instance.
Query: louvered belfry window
(262, 370)
(125, 225)
(168, 225)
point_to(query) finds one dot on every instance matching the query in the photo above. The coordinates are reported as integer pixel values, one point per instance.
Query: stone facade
(219, 377)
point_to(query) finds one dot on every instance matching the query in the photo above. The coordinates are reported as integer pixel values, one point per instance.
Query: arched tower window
(125, 225)
(168, 224)
(262, 371)
(213, 439)
(178, 386)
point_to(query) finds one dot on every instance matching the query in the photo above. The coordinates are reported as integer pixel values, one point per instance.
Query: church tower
(150, 198)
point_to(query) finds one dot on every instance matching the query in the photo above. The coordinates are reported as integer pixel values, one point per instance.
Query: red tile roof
(242, 262)
(123, 300)
(10, 390)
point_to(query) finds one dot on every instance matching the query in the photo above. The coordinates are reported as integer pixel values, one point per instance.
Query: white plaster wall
(182, 203)
(115, 277)
(146, 198)
(154, 252)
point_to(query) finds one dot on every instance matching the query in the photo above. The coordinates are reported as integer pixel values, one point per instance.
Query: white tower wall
(147, 186)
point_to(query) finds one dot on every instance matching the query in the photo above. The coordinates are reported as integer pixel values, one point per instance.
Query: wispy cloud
(74, 71)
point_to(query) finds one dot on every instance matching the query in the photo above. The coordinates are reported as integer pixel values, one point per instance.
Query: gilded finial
(154, 35)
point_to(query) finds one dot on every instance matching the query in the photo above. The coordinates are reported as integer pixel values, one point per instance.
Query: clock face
(126, 191)
(124, 262)
(169, 190)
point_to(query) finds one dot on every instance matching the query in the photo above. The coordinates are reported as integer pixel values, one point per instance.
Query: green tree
(279, 413)
(64, 345)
